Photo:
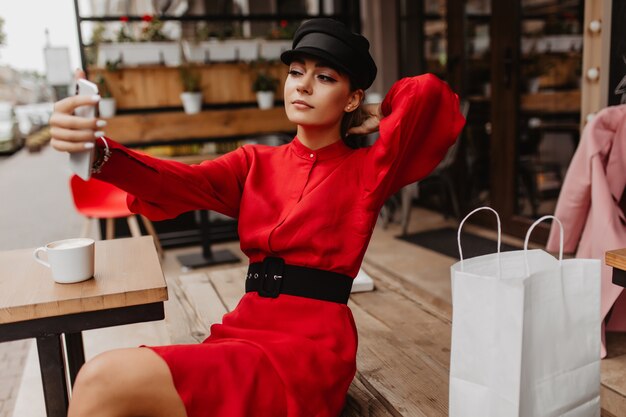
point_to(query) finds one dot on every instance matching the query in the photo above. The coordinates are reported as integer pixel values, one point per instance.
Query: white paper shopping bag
(525, 334)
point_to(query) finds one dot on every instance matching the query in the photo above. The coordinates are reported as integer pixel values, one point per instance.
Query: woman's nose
(304, 84)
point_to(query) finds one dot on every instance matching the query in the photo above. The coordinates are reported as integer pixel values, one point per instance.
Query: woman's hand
(373, 116)
(72, 133)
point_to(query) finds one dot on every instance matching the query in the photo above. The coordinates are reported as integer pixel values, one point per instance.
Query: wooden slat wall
(160, 86)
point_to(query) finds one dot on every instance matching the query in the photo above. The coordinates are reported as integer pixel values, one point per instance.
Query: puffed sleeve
(163, 189)
(421, 120)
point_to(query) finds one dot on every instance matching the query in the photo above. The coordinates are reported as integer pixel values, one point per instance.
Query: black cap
(330, 40)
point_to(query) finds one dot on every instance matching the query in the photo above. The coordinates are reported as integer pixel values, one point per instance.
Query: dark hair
(352, 119)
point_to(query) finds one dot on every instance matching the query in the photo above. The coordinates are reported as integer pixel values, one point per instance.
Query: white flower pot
(533, 85)
(192, 102)
(265, 99)
(193, 52)
(245, 49)
(209, 51)
(138, 53)
(552, 43)
(271, 49)
(106, 107)
(221, 51)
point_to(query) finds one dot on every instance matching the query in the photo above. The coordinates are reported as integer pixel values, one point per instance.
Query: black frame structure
(350, 15)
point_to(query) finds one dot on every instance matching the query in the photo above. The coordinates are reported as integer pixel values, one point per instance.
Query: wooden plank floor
(404, 326)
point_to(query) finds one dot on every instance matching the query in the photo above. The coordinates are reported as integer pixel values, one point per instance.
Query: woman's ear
(354, 101)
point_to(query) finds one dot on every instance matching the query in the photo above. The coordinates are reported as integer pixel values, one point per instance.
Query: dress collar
(333, 150)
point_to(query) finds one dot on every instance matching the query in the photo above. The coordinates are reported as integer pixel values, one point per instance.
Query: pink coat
(588, 204)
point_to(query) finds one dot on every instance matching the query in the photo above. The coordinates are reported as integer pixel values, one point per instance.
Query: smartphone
(81, 162)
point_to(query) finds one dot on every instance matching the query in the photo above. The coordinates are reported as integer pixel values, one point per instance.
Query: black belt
(273, 277)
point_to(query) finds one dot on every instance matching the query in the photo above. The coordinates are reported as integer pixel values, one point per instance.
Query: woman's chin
(299, 118)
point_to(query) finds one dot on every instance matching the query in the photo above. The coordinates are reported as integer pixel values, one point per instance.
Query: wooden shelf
(479, 99)
(153, 128)
(558, 127)
(552, 102)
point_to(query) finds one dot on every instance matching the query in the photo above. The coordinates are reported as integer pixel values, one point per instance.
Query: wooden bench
(403, 355)
(404, 335)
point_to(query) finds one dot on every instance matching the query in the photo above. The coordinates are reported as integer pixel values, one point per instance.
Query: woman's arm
(162, 189)
(421, 119)
(158, 189)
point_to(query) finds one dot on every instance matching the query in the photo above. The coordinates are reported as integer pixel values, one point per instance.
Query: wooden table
(617, 259)
(128, 287)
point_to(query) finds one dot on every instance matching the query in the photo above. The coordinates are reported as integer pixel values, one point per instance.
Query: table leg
(619, 277)
(75, 354)
(50, 352)
(208, 256)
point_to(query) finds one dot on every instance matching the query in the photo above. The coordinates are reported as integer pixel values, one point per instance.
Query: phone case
(81, 162)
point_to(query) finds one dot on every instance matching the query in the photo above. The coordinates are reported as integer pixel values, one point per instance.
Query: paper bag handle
(458, 236)
(530, 229)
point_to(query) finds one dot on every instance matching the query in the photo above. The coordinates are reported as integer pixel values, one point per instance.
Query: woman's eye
(294, 72)
(326, 78)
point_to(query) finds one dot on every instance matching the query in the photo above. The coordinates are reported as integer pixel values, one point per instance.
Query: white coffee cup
(71, 260)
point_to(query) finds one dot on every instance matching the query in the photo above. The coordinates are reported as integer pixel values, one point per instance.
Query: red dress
(290, 356)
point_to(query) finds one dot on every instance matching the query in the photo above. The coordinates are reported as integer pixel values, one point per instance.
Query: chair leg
(86, 227)
(150, 228)
(110, 228)
(133, 226)
(453, 197)
(407, 197)
(443, 197)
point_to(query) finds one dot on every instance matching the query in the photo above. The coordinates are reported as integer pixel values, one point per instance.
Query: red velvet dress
(290, 356)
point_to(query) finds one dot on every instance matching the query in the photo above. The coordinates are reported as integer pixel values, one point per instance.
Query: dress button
(311, 155)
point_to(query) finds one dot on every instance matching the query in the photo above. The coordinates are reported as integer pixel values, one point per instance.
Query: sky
(25, 22)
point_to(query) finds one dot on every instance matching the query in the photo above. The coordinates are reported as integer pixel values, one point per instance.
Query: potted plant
(219, 43)
(192, 93)
(264, 86)
(277, 41)
(106, 105)
(97, 38)
(150, 45)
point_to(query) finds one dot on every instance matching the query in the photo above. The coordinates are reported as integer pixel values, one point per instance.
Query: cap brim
(289, 56)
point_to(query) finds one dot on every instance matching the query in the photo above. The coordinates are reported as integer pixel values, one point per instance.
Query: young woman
(306, 212)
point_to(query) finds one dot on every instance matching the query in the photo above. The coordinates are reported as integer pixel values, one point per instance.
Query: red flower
(283, 23)
(124, 18)
(146, 18)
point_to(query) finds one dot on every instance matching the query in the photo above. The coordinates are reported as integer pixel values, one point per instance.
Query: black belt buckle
(272, 277)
